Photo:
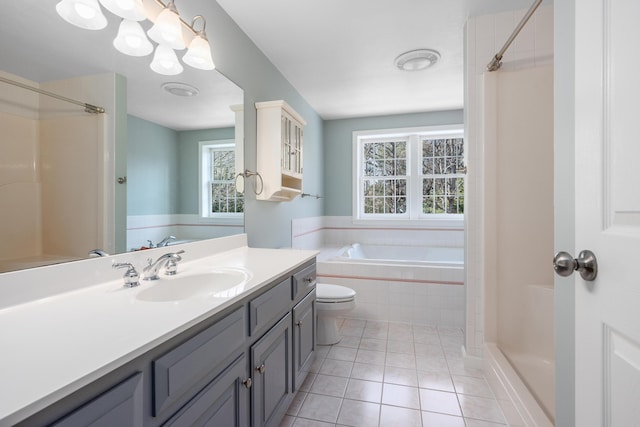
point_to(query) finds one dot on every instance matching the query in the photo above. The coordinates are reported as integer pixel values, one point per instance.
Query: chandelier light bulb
(165, 61)
(199, 53)
(132, 10)
(85, 14)
(131, 39)
(167, 30)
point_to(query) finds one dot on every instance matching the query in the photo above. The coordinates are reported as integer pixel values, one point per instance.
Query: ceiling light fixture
(131, 39)
(82, 13)
(199, 53)
(417, 60)
(180, 89)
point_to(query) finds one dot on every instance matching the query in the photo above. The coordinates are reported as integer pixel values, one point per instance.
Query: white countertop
(52, 346)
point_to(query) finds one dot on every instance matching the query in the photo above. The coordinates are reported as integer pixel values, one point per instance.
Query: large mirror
(155, 164)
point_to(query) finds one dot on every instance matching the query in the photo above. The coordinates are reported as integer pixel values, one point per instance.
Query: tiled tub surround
(64, 326)
(142, 228)
(395, 374)
(338, 231)
(407, 292)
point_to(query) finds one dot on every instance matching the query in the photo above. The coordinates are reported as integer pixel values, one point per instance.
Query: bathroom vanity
(234, 356)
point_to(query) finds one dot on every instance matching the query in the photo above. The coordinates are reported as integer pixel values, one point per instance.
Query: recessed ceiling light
(416, 60)
(180, 89)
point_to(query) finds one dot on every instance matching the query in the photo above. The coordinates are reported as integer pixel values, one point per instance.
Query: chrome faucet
(165, 242)
(150, 272)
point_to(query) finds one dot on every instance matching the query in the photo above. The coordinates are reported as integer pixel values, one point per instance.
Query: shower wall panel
(524, 232)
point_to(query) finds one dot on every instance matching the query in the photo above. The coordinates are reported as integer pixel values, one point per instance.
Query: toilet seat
(327, 293)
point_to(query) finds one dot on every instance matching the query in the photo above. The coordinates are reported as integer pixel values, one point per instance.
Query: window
(219, 197)
(409, 173)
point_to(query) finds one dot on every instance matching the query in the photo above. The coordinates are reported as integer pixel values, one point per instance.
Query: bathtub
(401, 255)
(419, 284)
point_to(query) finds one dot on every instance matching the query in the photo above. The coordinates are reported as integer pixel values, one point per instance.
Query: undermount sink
(216, 283)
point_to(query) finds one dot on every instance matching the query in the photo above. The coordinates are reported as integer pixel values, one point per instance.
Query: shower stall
(512, 166)
(52, 176)
(519, 326)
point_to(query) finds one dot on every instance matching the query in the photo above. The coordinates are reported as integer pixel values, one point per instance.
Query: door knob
(564, 264)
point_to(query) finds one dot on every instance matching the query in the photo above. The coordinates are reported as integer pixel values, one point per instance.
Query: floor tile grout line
(449, 371)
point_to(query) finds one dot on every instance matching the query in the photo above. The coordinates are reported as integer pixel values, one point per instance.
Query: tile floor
(393, 374)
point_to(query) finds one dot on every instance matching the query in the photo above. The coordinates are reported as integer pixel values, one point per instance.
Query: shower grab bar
(496, 61)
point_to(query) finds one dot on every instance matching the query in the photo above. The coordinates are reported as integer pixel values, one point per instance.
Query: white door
(607, 211)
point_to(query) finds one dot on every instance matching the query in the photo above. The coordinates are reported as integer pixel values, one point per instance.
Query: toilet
(332, 301)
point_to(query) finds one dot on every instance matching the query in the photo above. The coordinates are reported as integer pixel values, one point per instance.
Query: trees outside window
(409, 174)
(219, 196)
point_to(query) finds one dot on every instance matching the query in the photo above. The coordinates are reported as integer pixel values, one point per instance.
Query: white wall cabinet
(280, 150)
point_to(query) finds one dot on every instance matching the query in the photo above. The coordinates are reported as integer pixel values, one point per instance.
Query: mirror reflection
(174, 156)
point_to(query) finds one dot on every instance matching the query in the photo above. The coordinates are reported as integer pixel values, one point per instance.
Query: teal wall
(267, 224)
(188, 183)
(152, 168)
(163, 167)
(338, 151)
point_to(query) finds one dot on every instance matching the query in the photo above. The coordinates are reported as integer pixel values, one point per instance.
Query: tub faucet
(150, 272)
(93, 253)
(165, 242)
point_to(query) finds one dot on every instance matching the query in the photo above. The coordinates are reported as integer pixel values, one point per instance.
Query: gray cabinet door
(120, 406)
(224, 402)
(181, 372)
(304, 338)
(272, 369)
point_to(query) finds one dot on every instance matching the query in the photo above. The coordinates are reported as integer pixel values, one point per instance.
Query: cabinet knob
(247, 383)
(299, 323)
(261, 368)
(308, 279)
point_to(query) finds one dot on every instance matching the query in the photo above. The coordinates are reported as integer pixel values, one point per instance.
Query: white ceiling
(339, 54)
(35, 43)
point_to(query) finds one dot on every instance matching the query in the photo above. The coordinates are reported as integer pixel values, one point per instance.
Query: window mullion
(415, 177)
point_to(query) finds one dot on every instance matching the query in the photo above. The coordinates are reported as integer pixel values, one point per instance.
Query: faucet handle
(131, 276)
(171, 267)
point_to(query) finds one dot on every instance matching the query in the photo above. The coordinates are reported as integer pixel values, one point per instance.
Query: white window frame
(204, 196)
(413, 136)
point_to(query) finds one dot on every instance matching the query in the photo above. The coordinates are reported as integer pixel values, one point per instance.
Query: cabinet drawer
(266, 309)
(304, 281)
(120, 406)
(197, 361)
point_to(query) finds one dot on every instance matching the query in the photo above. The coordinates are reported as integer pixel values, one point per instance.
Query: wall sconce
(131, 39)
